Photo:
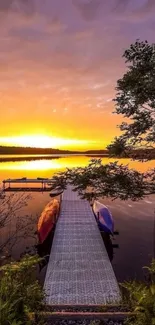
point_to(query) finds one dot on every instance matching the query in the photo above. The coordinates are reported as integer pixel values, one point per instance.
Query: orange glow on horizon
(42, 141)
(58, 76)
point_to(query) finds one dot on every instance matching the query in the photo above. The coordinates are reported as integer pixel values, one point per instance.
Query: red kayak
(48, 219)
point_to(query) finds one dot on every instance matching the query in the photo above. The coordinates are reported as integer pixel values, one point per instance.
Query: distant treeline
(143, 153)
(140, 154)
(4, 150)
(97, 152)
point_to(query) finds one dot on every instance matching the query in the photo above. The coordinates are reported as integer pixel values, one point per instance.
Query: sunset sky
(59, 63)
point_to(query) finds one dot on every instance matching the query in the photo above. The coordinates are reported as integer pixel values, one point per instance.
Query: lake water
(134, 220)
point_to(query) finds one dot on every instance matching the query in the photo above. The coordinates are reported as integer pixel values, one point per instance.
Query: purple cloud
(88, 9)
(29, 34)
(25, 6)
(60, 52)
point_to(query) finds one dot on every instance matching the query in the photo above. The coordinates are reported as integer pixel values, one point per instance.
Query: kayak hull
(56, 193)
(48, 219)
(104, 218)
(104, 228)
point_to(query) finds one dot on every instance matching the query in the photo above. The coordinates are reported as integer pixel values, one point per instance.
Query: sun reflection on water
(46, 168)
(31, 165)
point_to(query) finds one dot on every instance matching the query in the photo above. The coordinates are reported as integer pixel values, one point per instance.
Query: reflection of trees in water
(14, 227)
(24, 158)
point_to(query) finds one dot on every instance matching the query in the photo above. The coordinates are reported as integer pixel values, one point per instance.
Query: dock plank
(79, 270)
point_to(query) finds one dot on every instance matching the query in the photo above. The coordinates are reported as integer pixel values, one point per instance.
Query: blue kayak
(104, 217)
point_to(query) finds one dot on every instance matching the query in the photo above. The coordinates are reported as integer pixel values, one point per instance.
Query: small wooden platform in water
(27, 189)
(45, 184)
(79, 271)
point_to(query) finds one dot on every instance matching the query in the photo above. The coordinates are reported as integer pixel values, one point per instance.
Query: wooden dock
(45, 184)
(79, 271)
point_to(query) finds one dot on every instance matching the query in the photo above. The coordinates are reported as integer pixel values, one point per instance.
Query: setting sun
(40, 141)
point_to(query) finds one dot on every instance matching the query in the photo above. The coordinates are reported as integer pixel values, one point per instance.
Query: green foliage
(141, 299)
(119, 148)
(135, 98)
(20, 292)
(59, 181)
(109, 180)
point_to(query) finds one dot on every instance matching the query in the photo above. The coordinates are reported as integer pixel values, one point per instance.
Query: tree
(135, 100)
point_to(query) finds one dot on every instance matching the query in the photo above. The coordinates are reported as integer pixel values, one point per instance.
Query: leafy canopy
(135, 100)
(109, 180)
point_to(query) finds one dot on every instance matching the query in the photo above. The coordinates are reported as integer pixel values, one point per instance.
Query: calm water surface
(135, 221)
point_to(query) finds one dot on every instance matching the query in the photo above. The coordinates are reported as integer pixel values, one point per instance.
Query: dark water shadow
(108, 245)
(24, 158)
(44, 249)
